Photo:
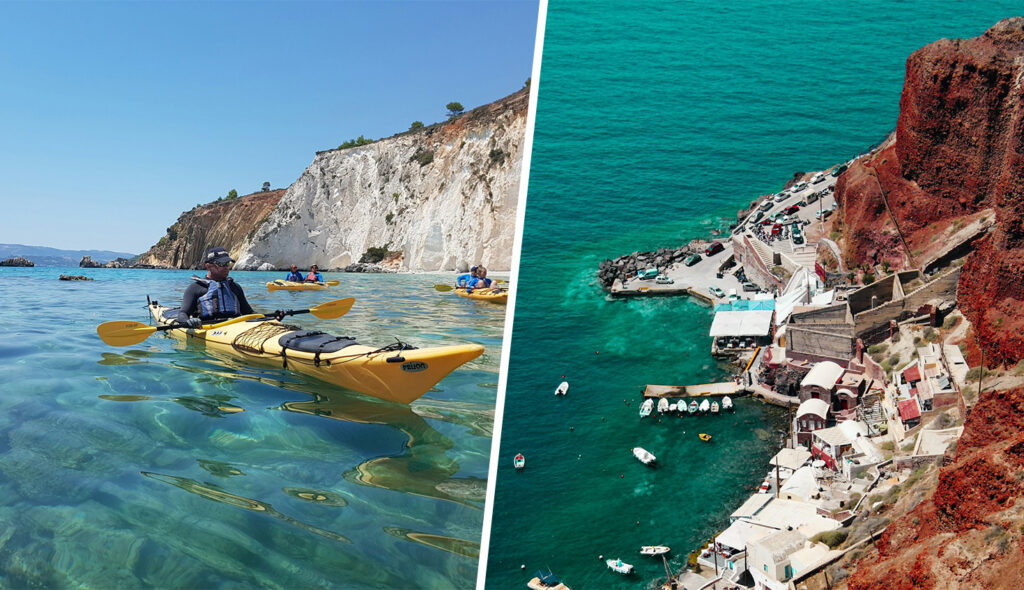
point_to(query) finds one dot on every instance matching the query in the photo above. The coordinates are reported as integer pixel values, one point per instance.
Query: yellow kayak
(295, 286)
(492, 294)
(395, 372)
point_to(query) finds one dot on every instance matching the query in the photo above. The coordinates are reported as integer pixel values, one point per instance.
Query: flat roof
(790, 458)
(752, 506)
(741, 323)
(742, 532)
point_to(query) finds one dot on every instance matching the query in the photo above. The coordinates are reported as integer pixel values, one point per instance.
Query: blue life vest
(219, 301)
(463, 280)
(478, 283)
(294, 277)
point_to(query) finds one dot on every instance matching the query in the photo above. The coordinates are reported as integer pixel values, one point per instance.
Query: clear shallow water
(655, 123)
(120, 467)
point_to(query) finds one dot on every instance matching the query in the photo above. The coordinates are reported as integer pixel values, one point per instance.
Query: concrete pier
(702, 390)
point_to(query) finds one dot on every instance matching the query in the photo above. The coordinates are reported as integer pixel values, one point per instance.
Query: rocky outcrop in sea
(627, 266)
(17, 261)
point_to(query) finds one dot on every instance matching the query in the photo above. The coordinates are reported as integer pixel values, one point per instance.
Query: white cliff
(456, 210)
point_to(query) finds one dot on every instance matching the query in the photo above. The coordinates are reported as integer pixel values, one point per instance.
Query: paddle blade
(444, 288)
(332, 283)
(333, 309)
(121, 333)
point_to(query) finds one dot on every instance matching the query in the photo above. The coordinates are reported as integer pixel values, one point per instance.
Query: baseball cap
(217, 255)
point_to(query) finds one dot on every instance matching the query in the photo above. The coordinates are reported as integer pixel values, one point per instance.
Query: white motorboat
(562, 389)
(671, 407)
(714, 407)
(644, 456)
(619, 566)
(662, 405)
(646, 408)
(693, 407)
(704, 406)
(654, 550)
(727, 403)
(519, 461)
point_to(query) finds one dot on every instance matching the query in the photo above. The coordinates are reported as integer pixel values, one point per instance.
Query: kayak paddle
(124, 333)
(443, 287)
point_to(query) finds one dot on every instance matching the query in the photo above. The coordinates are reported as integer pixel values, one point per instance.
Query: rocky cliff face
(225, 223)
(968, 534)
(958, 150)
(445, 196)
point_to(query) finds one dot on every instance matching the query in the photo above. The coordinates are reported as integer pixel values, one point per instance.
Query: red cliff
(958, 151)
(969, 533)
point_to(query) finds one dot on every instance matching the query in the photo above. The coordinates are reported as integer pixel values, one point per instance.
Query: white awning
(742, 323)
(812, 405)
(742, 532)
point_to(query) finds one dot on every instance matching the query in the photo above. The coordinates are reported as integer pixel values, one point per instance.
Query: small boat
(704, 437)
(704, 406)
(295, 286)
(693, 407)
(619, 566)
(654, 550)
(727, 403)
(765, 486)
(644, 456)
(519, 461)
(562, 389)
(545, 581)
(671, 407)
(662, 405)
(645, 409)
(714, 407)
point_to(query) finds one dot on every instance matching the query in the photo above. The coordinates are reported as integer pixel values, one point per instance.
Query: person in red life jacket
(314, 275)
(216, 297)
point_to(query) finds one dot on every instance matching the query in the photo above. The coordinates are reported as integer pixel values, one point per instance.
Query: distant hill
(43, 256)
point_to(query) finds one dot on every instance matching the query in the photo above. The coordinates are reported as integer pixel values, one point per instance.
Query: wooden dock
(702, 390)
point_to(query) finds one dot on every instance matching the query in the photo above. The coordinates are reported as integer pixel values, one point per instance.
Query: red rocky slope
(969, 534)
(959, 149)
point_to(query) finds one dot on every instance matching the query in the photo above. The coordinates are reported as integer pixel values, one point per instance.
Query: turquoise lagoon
(159, 465)
(656, 122)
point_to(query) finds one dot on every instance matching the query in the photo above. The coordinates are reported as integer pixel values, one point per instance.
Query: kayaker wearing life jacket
(294, 276)
(215, 297)
(464, 279)
(314, 275)
(480, 282)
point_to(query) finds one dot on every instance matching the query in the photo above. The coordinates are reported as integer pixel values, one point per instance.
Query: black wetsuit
(190, 301)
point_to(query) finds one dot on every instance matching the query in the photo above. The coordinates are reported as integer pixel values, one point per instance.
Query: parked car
(767, 221)
(692, 259)
(768, 204)
(839, 170)
(818, 178)
(776, 229)
(758, 217)
(663, 280)
(713, 248)
(792, 209)
(798, 187)
(785, 219)
(650, 273)
(716, 292)
(750, 287)
(782, 196)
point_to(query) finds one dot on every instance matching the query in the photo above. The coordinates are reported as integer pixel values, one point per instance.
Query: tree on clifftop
(416, 125)
(266, 186)
(232, 194)
(454, 109)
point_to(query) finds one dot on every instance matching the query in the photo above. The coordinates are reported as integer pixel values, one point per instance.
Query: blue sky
(115, 117)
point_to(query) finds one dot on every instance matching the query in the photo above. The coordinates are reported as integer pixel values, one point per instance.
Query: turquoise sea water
(120, 469)
(655, 123)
